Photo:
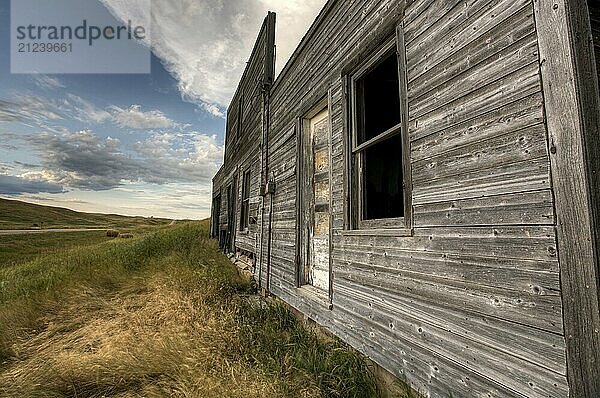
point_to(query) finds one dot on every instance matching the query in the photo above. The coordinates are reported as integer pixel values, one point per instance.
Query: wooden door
(317, 269)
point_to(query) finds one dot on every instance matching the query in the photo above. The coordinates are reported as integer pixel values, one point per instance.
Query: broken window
(378, 144)
(245, 209)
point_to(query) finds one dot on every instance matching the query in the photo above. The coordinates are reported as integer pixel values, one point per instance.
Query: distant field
(161, 315)
(15, 249)
(20, 215)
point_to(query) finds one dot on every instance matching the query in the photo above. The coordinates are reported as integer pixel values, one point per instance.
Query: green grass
(20, 215)
(274, 339)
(15, 249)
(163, 314)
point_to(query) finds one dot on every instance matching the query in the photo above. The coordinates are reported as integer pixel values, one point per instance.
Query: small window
(378, 144)
(245, 209)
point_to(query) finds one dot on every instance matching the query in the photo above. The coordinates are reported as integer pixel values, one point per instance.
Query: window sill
(312, 294)
(244, 232)
(400, 232)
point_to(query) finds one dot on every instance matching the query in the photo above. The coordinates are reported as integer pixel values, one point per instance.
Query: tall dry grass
(164, 315)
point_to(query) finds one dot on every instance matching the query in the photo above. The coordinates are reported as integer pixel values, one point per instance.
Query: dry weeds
(162, 315)
(149, 339)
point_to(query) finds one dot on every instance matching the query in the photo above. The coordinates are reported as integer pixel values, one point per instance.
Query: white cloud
(40, 111)
(5, 168)
(83, 110)
(29, 109)
(87, 161)
(205, 44)
(135, 118)
(294, 17)
(47, 82)
(184, 157)
(213, 109)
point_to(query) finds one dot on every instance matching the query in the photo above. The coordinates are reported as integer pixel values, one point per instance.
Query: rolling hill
(20, 215)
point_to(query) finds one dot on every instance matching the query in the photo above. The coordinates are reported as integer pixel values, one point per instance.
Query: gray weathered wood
(469, 301)
(572, 112)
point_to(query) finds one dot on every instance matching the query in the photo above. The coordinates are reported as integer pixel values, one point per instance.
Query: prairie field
(15, 214)
(161, 315)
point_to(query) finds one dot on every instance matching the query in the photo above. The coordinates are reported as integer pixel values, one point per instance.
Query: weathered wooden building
(423, 180)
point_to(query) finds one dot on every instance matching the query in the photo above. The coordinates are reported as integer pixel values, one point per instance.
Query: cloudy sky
(146, 144)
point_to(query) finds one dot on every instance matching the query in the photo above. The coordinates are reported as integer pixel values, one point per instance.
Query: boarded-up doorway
(314, 200)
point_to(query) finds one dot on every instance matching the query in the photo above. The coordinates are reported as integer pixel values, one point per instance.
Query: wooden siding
(572, 105)
(470, 304)
(244, 136)
(595, 23)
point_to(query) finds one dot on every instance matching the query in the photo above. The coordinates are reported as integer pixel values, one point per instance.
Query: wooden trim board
(571, 104)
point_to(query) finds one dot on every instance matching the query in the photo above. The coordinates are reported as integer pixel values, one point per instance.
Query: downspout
(271, 192)
(262, 233)
(263, 183)
(265, 187)
(269, 184)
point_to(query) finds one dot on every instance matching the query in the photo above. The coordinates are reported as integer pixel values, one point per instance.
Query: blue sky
(145, 144)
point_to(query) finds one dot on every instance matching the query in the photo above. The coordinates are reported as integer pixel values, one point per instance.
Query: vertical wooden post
(330, 160)
(346, 112)
(299, 213)
(406, 145)
(267, 82)
(268, 79)
(571, 100)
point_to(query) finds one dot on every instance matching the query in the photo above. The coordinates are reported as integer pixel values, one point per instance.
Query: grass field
(162, 315)
(20, 215)
(15, 249)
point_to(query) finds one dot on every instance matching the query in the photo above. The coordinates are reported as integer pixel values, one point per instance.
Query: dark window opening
(216, 224)
(378, 142)
(378, 100)
(383, 194)
(231, 199)
(245, 209)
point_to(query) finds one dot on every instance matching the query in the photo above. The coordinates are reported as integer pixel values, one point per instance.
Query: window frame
(401, 226)
(305, 198)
